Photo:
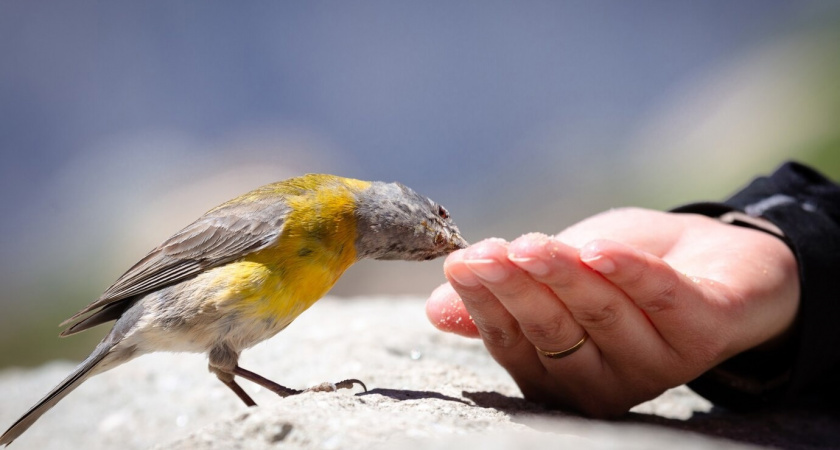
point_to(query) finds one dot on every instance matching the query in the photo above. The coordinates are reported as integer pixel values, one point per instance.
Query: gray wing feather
(222, 235)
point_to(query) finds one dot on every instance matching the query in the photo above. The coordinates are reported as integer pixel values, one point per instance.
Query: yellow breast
(315, 248)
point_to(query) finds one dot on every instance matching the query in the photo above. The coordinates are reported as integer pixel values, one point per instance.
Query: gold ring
(564, 353)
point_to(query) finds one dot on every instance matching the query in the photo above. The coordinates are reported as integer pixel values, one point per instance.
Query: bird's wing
(222, 235)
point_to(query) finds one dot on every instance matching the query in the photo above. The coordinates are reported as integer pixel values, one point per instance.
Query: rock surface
(427, 390)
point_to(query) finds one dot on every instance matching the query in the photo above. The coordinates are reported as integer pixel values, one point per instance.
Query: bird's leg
(278, 389)
(227, 379)
(223, 360)
(285, 392)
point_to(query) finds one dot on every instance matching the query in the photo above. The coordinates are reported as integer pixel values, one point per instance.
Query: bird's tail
(79, 374)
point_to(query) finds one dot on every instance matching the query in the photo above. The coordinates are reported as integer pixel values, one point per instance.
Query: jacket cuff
(805, 207)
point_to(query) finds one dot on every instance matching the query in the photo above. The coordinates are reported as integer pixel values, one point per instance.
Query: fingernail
(533, 265)
(487, 269)
(596, 261)
(462, 275)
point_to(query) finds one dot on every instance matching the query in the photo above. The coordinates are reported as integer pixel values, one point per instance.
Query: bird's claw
(332, 387)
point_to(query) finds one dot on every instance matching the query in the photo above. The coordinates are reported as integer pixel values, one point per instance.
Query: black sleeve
(804, 372)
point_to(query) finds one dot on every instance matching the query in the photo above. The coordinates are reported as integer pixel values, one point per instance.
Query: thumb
(446, 312)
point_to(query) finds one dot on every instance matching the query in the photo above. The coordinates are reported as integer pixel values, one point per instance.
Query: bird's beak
(456, 242)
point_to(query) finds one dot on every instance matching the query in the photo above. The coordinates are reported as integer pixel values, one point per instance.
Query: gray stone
(427, 390)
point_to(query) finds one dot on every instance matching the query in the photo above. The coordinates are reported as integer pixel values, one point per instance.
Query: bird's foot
(283, 391)
(332, 387)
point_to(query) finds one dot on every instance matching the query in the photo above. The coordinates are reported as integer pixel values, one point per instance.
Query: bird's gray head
(394, 222)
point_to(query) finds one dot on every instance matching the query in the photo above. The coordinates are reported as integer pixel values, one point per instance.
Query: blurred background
(122, 122)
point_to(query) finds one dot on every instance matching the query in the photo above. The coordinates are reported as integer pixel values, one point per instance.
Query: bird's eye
(442, 212)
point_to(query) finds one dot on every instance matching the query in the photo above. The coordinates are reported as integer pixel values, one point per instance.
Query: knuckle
(598, 318)
(635, 275)
(562, 279)
(662, 297)
(514, 291)
(552, 329)
(499, 337)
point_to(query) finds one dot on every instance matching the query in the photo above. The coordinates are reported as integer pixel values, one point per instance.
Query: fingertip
(481, 262)
(457, 255)
(527, 246)
(458, 273)
(529, 242)
(447, 312)
(535, 253)
(530, 264)
(596, 255)
(491, 248)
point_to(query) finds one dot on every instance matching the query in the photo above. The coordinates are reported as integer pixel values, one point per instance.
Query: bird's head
(394, 222)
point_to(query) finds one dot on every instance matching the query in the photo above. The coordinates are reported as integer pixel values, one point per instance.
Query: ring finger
(542, 318)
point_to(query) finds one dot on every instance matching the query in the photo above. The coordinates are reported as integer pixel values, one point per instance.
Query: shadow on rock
(502, 402)
(404, 394)
(790, 429)
(793, 429)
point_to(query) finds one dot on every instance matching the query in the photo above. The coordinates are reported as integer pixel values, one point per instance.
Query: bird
(245, 270)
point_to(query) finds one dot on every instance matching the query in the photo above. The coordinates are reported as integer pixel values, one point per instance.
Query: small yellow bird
(246, 269)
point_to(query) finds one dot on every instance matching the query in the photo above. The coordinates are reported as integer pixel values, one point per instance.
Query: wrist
(759, 374)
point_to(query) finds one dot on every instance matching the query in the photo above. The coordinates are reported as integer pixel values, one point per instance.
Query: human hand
(663, 297)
